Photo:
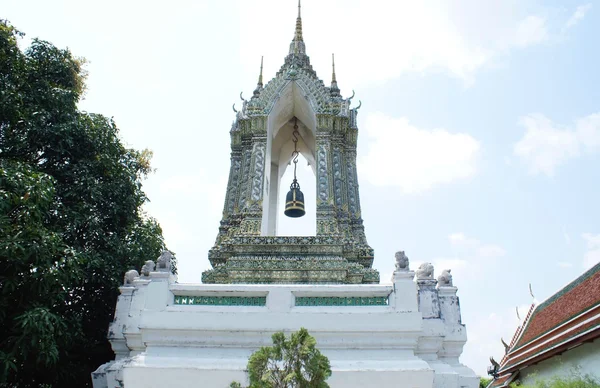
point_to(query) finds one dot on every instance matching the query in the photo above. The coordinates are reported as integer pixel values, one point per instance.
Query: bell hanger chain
(295, 153)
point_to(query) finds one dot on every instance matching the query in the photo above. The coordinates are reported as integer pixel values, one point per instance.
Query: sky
(479, 131)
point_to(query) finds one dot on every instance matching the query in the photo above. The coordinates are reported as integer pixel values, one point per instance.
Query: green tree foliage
(70, 219)
(289, 363)
(484, 382)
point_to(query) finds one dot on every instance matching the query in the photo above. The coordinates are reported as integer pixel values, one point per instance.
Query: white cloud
(546, 145)
(564, 264)
(476, 247)
(435, 156)
(393, 38)
(188, 207)
(566, 236)
(469, 256)
(456, 265)
(530, 31)
(592, 256)
(187, 188)
(578, 15)
(588, 131)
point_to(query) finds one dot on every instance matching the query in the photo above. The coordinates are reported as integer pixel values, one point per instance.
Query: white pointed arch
(291, 106)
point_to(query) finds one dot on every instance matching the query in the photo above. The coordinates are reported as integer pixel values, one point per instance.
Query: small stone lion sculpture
(147, 268)
(402, 263)
(164, 262)
(445, 279)
(425, 271)
(130, 277)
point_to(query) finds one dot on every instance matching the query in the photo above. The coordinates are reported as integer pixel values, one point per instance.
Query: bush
(289, 363)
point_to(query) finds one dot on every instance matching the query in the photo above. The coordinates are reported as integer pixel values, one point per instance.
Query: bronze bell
(294, 201)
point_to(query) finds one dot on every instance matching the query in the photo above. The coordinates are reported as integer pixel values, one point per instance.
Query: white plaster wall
(584, 359)
(209, 346)
(189, 377)
(181, 377)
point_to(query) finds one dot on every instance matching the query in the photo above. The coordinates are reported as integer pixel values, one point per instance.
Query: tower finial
(297, 46)
(259, 85)
(333, 80)
(335, 91)
(298, 33)
(260, 78)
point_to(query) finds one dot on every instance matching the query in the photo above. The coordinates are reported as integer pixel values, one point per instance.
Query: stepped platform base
(172, 335)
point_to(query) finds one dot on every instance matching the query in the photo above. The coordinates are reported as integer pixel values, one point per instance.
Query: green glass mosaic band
(342, 301)
(221, 300)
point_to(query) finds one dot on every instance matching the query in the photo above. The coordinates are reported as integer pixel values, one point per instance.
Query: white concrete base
(404, 374)
(183, 345)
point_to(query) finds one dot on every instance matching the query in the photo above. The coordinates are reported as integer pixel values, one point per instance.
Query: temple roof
(568, 318)
(297, 69)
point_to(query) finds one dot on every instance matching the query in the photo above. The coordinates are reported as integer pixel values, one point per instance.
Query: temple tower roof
(247, 248)
(298, 71)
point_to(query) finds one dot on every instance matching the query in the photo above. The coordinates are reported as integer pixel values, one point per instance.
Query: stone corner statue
(425, 271)
(147, 268)
(402, 262)
(164, 262)
(130, 276)
(445, 279)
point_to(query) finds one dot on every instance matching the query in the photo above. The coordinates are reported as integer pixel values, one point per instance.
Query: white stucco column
(455, 335)
(404, 297)
(116, 328)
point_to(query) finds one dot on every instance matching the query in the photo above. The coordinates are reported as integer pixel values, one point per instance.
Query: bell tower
(294, 113)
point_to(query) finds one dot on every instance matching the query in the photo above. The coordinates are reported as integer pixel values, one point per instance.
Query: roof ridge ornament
(531, 292)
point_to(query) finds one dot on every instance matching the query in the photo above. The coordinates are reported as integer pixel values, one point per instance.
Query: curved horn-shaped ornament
(504, 344)
(494, 362)
(350, 98)
(359, 105)
(233, 106)
(242, 97)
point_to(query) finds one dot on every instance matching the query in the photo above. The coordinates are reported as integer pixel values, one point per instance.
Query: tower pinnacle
(298, 34)
(333, 80)
(297, 47)
(259, 85)
(260, 79)
(335, 91)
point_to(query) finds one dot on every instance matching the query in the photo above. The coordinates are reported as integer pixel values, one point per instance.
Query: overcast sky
(479, 137)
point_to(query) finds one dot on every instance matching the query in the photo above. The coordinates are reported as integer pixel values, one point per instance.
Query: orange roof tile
(570, 315)
(577, 297)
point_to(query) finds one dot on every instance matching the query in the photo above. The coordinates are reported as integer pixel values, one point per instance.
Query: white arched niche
(290, 107)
